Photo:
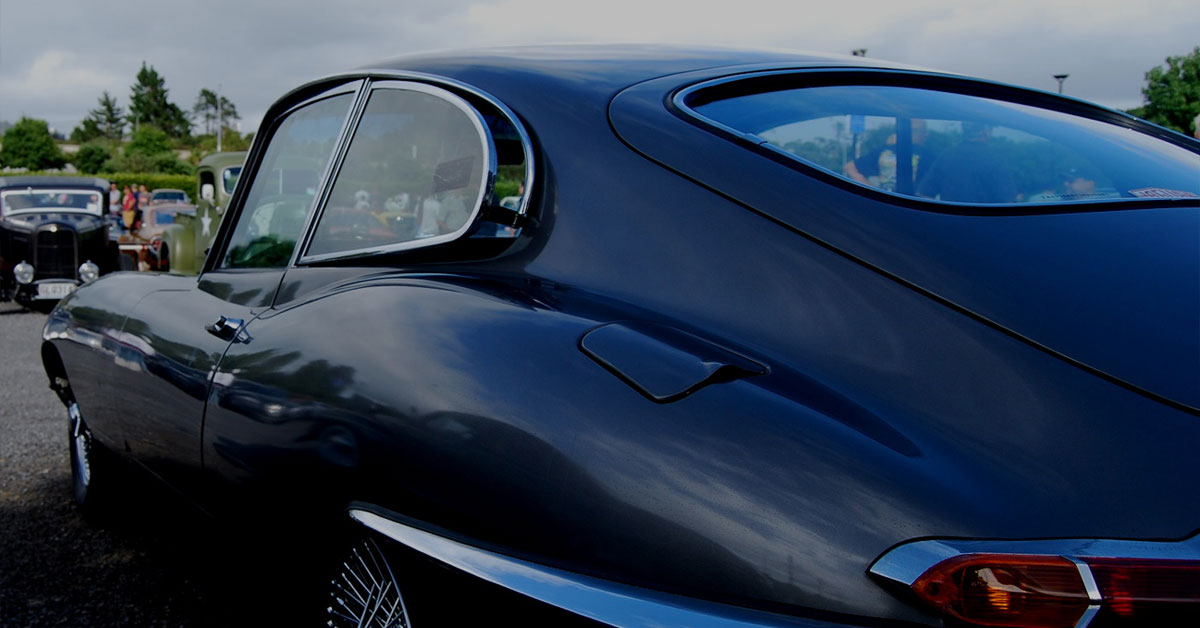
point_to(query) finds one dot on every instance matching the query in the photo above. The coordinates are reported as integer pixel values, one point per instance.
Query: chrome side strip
(612, 603)
(1093, 591)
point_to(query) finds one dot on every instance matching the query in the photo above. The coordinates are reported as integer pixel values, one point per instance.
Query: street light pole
(1060, 78)
(221, 114)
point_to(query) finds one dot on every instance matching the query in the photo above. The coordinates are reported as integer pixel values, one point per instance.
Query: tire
(164, 258)
(365, 592)
(90, 466)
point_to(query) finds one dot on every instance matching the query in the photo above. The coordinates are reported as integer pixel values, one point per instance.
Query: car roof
(51, 181)
(613, 64)
(591, 72)
(228, 158)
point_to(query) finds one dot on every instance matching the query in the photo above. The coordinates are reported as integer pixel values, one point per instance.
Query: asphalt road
(152, 561)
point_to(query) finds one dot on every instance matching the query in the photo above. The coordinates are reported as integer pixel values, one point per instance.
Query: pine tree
(148, 104)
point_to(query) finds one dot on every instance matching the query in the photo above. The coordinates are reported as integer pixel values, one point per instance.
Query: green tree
(91, 158)
(106, 121)
(149, 150)
(213, 109)
(87, 131)
(148, 105)
(1173, 93)
(28, 144)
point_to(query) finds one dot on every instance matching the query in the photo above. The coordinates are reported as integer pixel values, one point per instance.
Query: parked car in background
(147, 248)
(704, 376)
(167, 195)
(53, 237)
(189, 238)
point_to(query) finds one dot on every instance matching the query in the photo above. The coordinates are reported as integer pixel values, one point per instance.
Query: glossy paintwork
(1081, 283)
(463, 396)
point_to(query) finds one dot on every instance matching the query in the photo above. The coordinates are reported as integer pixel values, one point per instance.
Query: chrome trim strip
(906, 563)
(618, 605)
(1093, 591)
(1089, 581)
(1088, 615)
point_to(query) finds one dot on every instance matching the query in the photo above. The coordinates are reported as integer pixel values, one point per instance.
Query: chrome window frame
(446, 90)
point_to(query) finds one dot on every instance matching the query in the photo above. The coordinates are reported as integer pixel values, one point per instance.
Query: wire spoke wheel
(81, 453)
(364, 592)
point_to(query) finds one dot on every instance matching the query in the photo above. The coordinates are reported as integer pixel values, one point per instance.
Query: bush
(91, 158)
(149, 141)
(160, 163)
(28, 144)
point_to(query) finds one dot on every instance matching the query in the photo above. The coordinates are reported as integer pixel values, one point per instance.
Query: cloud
(56, 56)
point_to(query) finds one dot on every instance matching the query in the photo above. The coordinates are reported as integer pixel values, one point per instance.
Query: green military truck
(191, 235)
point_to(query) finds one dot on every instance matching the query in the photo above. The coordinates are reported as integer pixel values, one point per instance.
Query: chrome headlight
(23, 272)
(88, 271)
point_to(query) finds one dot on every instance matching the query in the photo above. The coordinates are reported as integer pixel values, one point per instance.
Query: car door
(183, 329)
(296, 408)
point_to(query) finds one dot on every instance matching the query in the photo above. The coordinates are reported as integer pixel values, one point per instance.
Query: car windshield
(959, 148)
(169, 196)
(229, 178)
(32, 199)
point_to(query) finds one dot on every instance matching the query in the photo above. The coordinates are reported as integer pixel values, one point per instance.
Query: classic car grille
(54, 254)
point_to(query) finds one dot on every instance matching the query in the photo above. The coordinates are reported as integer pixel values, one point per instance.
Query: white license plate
(54, 290)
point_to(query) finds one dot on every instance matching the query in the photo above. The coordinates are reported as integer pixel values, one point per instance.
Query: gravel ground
(153, 561)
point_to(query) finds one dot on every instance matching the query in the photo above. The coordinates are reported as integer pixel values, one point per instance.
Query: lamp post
(221, 117)
(1060, 78)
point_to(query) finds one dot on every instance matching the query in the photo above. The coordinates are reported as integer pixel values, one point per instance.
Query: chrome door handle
(226, 328)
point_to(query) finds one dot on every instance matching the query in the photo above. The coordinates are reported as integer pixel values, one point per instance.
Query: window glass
(229, 178)
(33, 199)
(414, 171)
(285, 185)
(960, 149)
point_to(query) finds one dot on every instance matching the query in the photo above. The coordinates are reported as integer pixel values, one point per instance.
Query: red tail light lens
(1007, 590)
(1148, 592)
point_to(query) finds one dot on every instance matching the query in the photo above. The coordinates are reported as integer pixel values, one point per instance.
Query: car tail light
(1146, 592)
(1038, 591)
(1007, 590)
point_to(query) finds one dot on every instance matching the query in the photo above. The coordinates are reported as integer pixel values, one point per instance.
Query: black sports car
(53, 237)
(764, 339)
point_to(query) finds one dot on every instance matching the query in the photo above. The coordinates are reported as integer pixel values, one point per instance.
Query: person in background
(878, 167)
(143, 197)
(129, 210)
(114, 198)
(973, 171)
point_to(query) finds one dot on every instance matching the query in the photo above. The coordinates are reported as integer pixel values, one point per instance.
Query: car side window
(416, 172)
(285, 186)
(955, 147)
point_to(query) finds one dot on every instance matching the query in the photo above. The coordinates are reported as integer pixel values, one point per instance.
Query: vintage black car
(767, 339)
(53, 236)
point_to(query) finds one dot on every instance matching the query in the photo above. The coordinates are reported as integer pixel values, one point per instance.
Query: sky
(58, 56)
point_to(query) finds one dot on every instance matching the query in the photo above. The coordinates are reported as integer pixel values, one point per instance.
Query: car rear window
(953, 147)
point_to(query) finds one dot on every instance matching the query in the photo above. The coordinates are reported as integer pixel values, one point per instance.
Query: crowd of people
(131, 201)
